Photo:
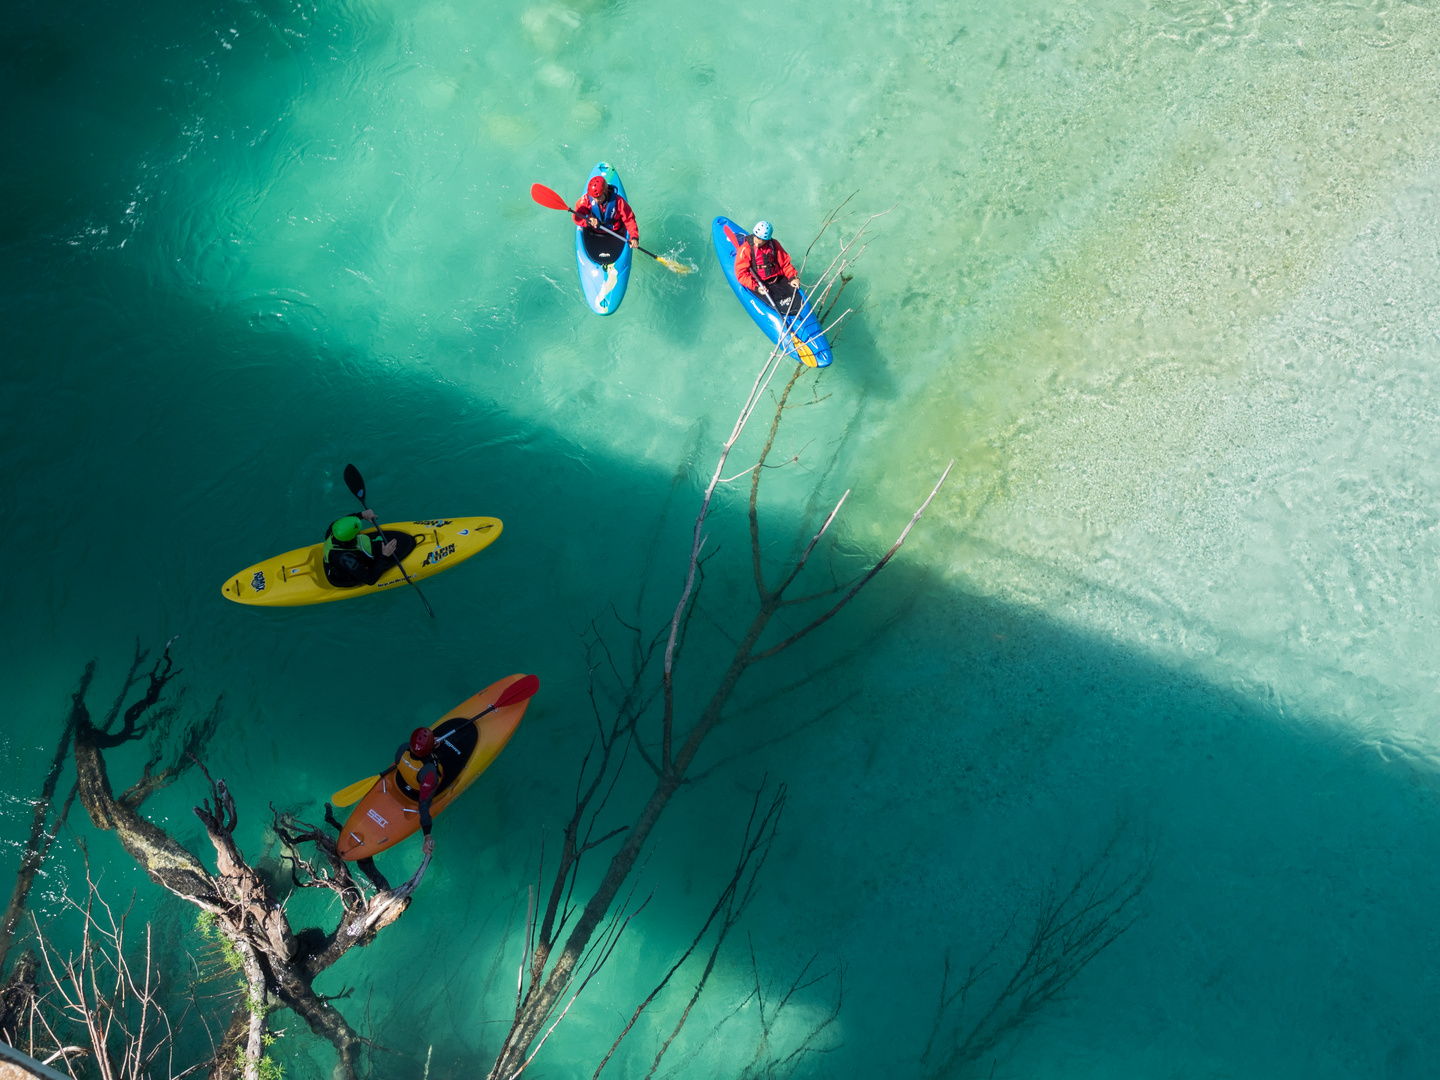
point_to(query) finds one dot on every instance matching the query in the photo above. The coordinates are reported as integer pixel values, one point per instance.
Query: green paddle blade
(354, 793)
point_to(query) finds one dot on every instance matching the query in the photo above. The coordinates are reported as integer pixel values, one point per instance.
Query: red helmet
(596, 187)
(422, 742)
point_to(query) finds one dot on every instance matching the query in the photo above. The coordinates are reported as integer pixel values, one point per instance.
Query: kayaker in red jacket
(603, 205)
(418, 772)
(763, 267)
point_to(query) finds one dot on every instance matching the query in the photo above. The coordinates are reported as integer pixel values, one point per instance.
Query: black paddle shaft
(356, 483)
(619, 236)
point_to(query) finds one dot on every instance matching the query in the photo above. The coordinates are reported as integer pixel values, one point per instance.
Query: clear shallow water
(1160, 276)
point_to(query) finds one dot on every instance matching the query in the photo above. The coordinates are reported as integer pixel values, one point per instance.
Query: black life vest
(767, 265)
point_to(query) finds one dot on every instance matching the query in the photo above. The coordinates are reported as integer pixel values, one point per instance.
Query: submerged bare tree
(42, 835)
(240, 904)
(101, 1002)
(772, 1057)
(1018, 975)
(280, 965)
(28, 1002)
(579, 927)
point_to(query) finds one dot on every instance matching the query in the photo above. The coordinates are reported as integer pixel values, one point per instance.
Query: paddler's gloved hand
(429, 846)
(368, 515)
(634, 242)
(764, 291)
(594, 221)
(388, 548)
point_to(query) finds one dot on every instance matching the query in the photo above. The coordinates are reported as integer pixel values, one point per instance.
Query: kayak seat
(351, 569)
(602, 247)
(455, 742)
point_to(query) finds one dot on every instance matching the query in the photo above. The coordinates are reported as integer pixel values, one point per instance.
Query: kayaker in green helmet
(350, 556)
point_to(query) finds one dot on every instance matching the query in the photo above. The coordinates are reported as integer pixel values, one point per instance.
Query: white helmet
(763, 229)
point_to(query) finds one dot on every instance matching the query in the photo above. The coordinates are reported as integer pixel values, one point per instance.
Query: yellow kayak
(424, 547)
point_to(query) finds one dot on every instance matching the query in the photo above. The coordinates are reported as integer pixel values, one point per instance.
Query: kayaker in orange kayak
(418, 772)
(459, 746)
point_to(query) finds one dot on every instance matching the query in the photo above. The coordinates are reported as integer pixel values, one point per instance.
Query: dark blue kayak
(604, 260)
(803, 340)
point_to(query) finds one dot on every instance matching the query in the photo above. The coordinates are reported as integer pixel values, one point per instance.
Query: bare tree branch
(551, 968)
(1072, 926)
(793, 638)
(279, 965)
(729, 906)
(93, 997)
(37, 845)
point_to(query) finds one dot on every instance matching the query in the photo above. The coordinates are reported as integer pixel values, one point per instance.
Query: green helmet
(347, 528)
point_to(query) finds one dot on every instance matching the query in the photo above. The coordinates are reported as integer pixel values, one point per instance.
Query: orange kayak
(385, 816)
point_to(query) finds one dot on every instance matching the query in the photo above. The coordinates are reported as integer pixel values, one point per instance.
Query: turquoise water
(1160, 277)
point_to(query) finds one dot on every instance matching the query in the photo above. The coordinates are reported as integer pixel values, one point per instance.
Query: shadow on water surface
(967, 753)
(1294, 862)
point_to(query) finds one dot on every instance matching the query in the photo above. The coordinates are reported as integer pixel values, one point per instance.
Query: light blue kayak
(803, 340)
(604, 260)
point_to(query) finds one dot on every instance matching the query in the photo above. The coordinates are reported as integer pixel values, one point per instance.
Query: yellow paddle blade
(671, 264)
(806, 354)
(354, 793)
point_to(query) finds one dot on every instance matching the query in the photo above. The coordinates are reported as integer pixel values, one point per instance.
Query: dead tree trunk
(37, 844)
(280, 966)
(550, 969)
(41, 838)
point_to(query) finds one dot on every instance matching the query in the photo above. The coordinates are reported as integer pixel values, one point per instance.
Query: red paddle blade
(545, 197)
(729, 235)
(520, 690)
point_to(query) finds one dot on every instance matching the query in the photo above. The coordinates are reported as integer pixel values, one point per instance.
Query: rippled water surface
(1161, 277)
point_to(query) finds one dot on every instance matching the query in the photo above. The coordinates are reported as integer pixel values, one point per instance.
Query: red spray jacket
(613, 214)
(765, 261)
